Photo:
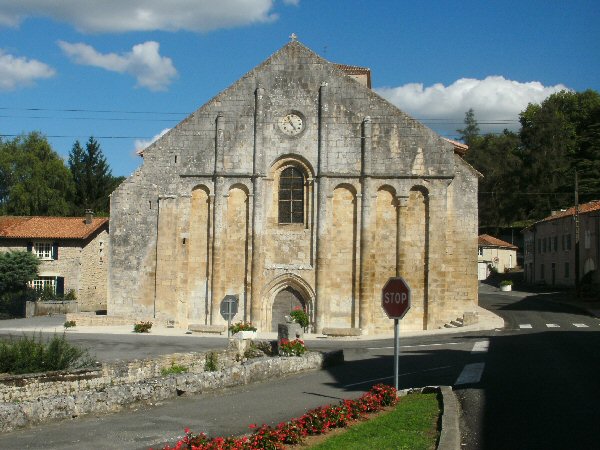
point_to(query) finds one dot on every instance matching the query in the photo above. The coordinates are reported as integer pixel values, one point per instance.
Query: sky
(125, 71)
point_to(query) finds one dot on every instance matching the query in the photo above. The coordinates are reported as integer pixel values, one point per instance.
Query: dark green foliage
(33, 178)
(16, 270)
(300, 317)
(211, 362)
(33, 355)
(142, 327)
(530, 173)
(93, 178)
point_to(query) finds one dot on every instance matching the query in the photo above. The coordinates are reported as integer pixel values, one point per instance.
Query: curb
(450, 433)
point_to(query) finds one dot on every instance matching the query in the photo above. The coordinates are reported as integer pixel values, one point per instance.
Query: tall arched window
(291, 196)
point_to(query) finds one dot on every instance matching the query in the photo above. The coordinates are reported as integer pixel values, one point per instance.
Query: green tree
(92, 176)
(33, 178)
(470, 133)
(17, 268)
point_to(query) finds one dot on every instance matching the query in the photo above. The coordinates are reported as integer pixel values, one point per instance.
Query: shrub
(142, 327)
(242, 326)
(506, 283)
(211, 362)
(70, 296)
(33, 355)
(300, 317)
(174, 369)
(70, 324)
(291, 348)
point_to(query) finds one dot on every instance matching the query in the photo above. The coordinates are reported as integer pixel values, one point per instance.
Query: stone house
(297, 186)
(73, 253)
(551, 246)
(494, 254)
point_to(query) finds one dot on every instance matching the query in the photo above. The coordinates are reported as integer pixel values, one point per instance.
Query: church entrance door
(285, 302)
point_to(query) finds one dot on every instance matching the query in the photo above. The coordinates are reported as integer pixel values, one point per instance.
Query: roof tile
(39, 227)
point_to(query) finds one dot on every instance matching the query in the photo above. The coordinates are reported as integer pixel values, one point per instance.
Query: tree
(470, 133)
(33, 178)
(17, 268)
(92, 176)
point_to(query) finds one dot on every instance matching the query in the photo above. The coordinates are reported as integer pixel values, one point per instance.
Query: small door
(285, 302)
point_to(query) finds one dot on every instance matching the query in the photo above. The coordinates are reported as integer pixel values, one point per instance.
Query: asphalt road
(532, 385)
(539, 387)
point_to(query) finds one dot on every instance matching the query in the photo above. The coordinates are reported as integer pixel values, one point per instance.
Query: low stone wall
(32, 399)
(49, 308)
(93, 320)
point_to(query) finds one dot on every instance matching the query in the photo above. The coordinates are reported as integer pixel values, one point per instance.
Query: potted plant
(506, 285)
(243, 330)
(299, 316)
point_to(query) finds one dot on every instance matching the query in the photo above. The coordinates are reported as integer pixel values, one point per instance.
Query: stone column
(321, 266)
(401, 209)
(366, 258)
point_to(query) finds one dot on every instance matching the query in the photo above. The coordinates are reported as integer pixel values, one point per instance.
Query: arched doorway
(285, 301)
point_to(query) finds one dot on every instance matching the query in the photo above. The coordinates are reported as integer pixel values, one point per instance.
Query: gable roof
(485, 240)
(39, 227)
(584, 208)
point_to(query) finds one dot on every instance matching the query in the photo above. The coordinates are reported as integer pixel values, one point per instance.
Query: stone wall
(31, 399)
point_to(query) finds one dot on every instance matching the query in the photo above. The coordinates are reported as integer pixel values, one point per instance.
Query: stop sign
(395, 298)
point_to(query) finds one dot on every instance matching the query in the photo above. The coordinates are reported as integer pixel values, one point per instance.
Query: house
(73, 252)
(494, 254)
(551, 246)
(296, 186)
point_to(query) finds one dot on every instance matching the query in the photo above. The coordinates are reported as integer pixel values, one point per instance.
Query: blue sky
(125, 70)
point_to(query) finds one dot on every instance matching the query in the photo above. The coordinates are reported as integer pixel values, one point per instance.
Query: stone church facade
(296, 186)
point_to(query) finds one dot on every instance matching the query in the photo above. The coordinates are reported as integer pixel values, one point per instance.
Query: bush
(34, 355)
(300, 317)
(291, 348)
(12, 304)
(70, 296)
(70, 324)
(211, 362)
(173, 370)
(242, 326)
(142, 327)
(506, 283)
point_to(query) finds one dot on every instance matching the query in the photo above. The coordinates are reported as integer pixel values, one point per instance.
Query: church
(297, 186)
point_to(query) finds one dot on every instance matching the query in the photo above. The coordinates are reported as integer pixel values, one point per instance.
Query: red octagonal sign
(395, 298)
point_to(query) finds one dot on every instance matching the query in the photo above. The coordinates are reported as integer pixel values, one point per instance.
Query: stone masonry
(381, 196)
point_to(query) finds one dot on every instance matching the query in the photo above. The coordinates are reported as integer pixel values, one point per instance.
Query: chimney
(89, 216)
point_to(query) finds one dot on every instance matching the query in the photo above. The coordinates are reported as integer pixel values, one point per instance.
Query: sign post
(229, 308)
(395, 301)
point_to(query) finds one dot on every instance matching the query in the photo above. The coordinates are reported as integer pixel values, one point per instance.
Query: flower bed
(314, 422)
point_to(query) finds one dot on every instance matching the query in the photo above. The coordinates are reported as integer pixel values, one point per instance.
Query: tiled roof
(356, 70)
(490, 241)
(584, 208)
(39, 227)
(459, 148)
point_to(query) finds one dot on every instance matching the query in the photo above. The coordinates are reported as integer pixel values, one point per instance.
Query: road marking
(525, 325)
(400, 375)
(580, 325)
(552, 325)
(481, 346)
(470, 374)
(415, 346)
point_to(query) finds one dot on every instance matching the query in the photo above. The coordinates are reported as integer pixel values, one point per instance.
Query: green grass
(412, 425)
(174, 369)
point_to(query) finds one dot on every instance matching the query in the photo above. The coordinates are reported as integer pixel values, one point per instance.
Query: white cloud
(144, 62)
(19, 71)
(494, 99)
(141, 144)
(141, 15)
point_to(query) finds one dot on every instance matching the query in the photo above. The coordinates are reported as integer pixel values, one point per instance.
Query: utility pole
(577, 283)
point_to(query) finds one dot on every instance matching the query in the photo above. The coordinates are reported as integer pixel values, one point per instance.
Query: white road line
(470, 374)
(552, 325)
(399, 375)
(525, 325)
(415, 346)
(481, 346)
(580, 325)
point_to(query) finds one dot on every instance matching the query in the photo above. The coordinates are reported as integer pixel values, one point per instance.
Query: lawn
(411, 425)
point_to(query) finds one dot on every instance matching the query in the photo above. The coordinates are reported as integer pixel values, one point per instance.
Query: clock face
(291, 124)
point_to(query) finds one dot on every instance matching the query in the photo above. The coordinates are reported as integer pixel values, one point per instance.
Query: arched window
(291, 196)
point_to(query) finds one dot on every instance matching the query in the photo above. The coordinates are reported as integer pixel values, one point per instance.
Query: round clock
(291, 124)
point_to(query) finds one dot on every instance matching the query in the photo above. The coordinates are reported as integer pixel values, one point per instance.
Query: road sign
(229, 306)
(395, 298)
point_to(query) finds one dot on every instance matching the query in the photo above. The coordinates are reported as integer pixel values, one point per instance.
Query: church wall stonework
(381, 195)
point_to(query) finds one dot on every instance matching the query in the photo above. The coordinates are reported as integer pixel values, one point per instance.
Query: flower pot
(245, 335)
(506, 288)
